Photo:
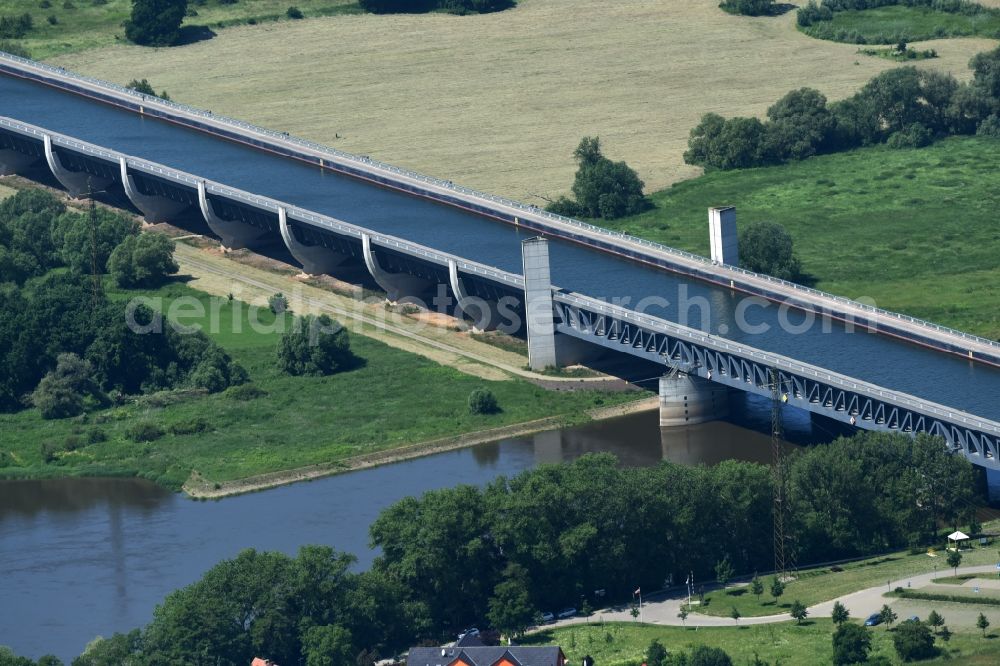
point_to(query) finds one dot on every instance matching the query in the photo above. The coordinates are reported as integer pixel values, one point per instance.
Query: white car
(548, 617)
(566, 613)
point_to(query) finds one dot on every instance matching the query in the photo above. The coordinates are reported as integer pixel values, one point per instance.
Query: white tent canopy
(957, 536)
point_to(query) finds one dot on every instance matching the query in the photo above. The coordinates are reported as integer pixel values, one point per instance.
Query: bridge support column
(78, 183)
(395, 285)
(154, 208)
(722, 235)
(12, 162)
(538, 303)
(235, 235)
(485, 314)
(315, 259)
(688, 400)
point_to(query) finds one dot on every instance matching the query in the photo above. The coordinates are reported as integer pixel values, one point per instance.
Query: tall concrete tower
(722, 235)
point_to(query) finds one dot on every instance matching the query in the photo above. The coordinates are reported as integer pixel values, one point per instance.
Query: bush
(277, 303)
(913, 641)
(765, 247)
(192, 427)
(314, 346)
(482, 401)
(989, 127)
(14, 48)
(144, 431)
(52, 19)
(16, 27)
(63, 391)
(914, 136)
(245, 392)
(155, 22)
(96, 436)
(294, 13)
(749, 7)
(49, 451)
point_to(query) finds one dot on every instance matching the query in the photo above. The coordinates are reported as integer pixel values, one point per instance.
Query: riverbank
(197, 487)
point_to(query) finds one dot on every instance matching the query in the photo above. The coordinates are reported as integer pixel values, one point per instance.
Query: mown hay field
(500, 101)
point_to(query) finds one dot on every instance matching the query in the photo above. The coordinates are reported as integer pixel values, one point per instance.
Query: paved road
(861, 604)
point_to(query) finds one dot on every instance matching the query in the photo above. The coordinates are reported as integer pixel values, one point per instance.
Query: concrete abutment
(688, 400)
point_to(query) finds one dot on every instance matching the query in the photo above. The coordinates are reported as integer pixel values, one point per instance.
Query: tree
(765, 247)
(62, 392)
(954, 559)
(723, 571)
(935, 620)
(397, 6)
(986, 72)
(314, 346)
(144, 260)
(702, 655)
(840, 614)
(735, 614)
(482, 401)
(656, 654)
(800, 126)
(511, 611)
(851, 644)
(982, 623)
(777, 588)
(329, 645)
(756, 587)
(913, 641)
(683, 614)
(634, 612)
(277, 303)
(736, 143)
(146, 88)
(155, 22)
(798, 611)
(602, 188)
(887, 615)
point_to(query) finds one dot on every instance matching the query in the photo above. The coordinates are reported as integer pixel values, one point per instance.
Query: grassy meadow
(813, 586)
(618, 644)
(90, 24)
(909, 23)
(913, 229)
(500, 101)
(395, 398)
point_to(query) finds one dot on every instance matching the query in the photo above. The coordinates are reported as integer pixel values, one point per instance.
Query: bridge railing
(778, 361)
(520, 207)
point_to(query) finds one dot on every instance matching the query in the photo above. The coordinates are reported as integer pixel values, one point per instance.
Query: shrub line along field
(515, 90)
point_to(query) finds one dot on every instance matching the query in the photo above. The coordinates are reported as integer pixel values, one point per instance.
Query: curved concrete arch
(485, 315)
(79, 183)
(395, 285)
(315, 259)
(154, 208)
(235, 235)
(12, 162)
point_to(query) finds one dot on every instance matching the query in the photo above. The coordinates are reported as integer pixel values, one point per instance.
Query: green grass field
(785, 643)
(85, 24)
(813, 586)
(886, 25)
(396, 398)
(913, 229)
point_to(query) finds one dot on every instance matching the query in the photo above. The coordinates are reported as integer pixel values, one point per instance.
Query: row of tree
(546, 538)
(903, 107)
(63, 343)
(421, 6)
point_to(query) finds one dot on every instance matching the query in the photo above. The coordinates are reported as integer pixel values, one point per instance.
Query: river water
(83, 557)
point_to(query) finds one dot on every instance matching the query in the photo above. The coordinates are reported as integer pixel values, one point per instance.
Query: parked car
(548, 617)
(468, 632)
(873, 619)
(566, 612)
(913, 618)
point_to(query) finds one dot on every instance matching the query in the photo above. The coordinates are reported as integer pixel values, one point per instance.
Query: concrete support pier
(315, 259)
(538, 303)
(154, 208)
(687, 400)
(78, 183)
(235, 235)
(12, 162)
(722, 235)
(395, 285)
